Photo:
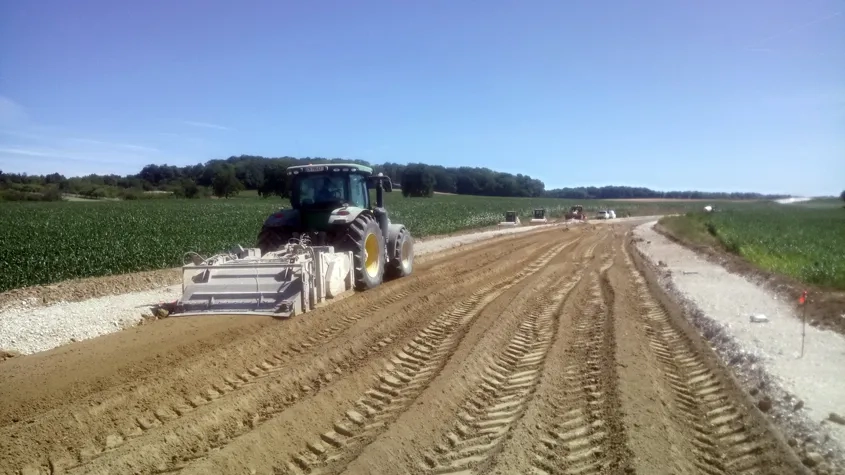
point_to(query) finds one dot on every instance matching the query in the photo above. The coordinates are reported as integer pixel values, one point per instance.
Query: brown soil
(825, 308)
(545, 353)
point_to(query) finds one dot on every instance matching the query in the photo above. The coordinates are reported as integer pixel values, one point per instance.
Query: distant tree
(225, 182)
(251, 173)
(189, 188)
(842, 195)
(275, 181)
(418, 181)
(52, 193)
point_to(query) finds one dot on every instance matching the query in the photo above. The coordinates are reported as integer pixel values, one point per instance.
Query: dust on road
(544, 353)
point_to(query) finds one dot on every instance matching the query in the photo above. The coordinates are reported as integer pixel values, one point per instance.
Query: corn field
(803, 242)
(42, 243)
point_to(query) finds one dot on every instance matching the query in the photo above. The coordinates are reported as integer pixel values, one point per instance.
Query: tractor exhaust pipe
(379, 194)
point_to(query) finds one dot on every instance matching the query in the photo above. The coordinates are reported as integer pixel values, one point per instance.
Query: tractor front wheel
(364, 239)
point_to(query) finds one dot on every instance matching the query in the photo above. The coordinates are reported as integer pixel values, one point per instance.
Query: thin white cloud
(27, 147)
(23, 135)
(11, 113)
(185, 139)
(77, 162)
(21, 151)
(139, 148)
(206, 125)
(59, 154)
(786, 31)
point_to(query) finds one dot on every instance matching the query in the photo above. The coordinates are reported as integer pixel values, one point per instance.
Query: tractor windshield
(329, 190)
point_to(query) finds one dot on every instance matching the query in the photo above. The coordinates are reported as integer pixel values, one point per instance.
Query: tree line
(227, 177)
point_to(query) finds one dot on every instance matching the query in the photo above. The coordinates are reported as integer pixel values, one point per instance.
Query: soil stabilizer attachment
(280, 284)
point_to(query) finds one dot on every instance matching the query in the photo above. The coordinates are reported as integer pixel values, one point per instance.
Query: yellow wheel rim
(371, 261)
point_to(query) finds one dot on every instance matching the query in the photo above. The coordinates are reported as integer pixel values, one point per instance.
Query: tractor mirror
(384, 179)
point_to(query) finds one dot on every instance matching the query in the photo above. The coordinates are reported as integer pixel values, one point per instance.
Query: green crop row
(42, 243)
(804, 242)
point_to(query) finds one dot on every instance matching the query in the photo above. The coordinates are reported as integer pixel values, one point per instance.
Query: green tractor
(331, 206)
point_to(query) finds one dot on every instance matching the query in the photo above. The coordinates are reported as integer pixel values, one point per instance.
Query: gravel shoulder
(798, 393)
(44, 317)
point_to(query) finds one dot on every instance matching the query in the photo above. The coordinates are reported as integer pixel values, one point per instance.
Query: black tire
(272, 239)
(402, 259)
(361, 232)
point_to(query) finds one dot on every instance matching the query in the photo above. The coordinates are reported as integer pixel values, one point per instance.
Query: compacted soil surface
(548, 352)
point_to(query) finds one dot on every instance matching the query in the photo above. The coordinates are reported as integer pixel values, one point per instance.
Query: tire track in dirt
(506, 388)
(654, 435)
(396, 294)
(400, 448)
(219, 424)
(404, 377)
(584, 433)
(721, 442)
(143, 423)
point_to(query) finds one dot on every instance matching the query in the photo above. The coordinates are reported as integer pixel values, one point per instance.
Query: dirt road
(544, 353)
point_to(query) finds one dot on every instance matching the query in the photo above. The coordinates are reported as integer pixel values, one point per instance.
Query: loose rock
(834, 417)
(765, 404)
(8, 354)
(812, 459)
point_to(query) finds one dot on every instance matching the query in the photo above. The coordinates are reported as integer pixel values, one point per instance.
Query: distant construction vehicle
(539, 216)
(576, 212)
(331, 240)
(511, 219)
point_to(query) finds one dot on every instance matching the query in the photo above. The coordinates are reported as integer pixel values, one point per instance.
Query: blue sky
(720, 95)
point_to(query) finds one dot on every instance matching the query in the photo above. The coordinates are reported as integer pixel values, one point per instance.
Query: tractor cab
(334, 185)
(323, 193)
(330, 186)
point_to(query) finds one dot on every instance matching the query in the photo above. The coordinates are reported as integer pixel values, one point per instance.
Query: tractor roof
(335, 167)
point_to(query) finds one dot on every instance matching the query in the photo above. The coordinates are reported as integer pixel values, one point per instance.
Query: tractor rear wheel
(272, 239)
(363, 237)
(401, 262)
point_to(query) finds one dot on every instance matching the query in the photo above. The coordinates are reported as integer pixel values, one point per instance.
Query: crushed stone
(765, 358)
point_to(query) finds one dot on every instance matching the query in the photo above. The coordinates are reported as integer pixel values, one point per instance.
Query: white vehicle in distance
(611, 214)
(602, 215)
